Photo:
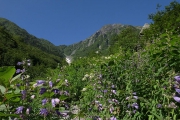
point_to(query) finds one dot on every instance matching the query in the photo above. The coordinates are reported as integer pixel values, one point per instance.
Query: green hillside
(29, 39)
(13, 48)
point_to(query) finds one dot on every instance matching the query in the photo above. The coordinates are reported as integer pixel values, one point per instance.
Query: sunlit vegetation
(138, 79)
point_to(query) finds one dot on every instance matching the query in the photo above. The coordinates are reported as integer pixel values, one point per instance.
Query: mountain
(100, 41)
(17, 45)
(27, 38)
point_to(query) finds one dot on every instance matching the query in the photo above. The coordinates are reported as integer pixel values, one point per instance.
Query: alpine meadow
(121, 72)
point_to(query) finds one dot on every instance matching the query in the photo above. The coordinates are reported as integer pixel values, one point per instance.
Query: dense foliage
(127, 39)
(13, 49)
(129, 84)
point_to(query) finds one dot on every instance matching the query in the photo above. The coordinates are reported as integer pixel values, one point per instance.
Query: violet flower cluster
(176, 87)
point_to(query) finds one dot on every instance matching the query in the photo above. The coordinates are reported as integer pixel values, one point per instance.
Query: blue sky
(70, 21)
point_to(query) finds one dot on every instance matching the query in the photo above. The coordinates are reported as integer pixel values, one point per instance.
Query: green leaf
(2, 89)
(63, 97)
(10, 95)
(7, 115)
(158, 117)
(16, 77)
(17, 99)
(62, 108)
(46, 94)
(6, 73)
(2, 107)
(17, 90)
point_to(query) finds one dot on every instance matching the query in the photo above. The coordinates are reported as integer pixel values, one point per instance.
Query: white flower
(33, 96)
(84, 89)
(27, 76)
(66, 80)
(27, 111)
(56, 100)
(86, 75)
(34, 85)
(83, 79)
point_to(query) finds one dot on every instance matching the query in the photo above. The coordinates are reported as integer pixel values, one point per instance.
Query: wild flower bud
(43, 112)
(19, 110)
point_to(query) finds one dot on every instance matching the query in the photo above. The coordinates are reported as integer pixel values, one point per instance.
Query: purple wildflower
(114, 100)
(19, 110)
(159, 105)
(105, 91)
(19, 63)
(100, 76)
(112, 86)
(61, 114)
(44, 101)
(177, 90)
(43, 112)
(176, 86)
(56, 91)
(23, 70)
(177, 78)
(66, 106)
(42, 90)
(53, 102)
(113, 91)
(64, 114)
(66, 93)
(18, 71)
(40, 82)
(18, 85)
(58, 113)
(177, 99)
(50, 84)
(136, 97)
(111, 109)
(135, 105)
(113, 118)
(134, 111)
(100, 105)
(23, 92)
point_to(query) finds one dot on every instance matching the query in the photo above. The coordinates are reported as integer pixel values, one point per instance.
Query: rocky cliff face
(99, 41)
(146, 26)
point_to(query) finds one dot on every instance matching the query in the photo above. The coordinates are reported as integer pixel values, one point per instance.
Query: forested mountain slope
(100, 41)
(27, 38)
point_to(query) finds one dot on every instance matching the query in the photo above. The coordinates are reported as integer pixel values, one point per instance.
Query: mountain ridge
(30, 39)
(98, 41)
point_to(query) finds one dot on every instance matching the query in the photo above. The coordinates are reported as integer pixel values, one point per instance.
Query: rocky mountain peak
(110, 27)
